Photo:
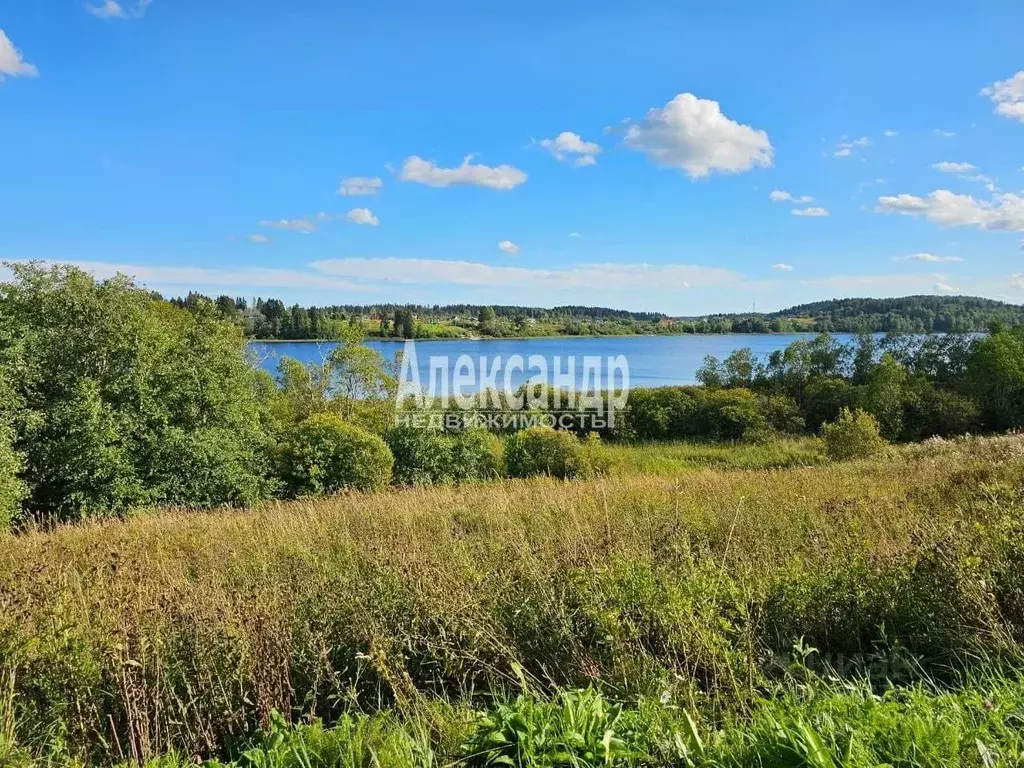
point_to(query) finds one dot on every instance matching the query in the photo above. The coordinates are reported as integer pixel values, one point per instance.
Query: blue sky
(622, 154)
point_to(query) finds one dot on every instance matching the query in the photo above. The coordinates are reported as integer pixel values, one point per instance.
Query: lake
(654, 361)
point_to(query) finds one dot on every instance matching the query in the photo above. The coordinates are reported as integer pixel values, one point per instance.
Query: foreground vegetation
(685, 607)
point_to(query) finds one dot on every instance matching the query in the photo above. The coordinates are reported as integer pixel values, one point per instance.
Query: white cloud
(692, 134)
(1008, 96)
(781, 196)
(944, 134)
(354, 186)
(575, 234)
(847, 148)
(257, 238)
(305, 226)
(11, 62)
(570, 147)
(782, 267)
(1004, 213)
(594, 277)
(889, 133)
(815, 212)
(509, 247)
(944, 288)
(421, 171)
(947, 167)
(112, 9)
(362, 216)
(929, 257)
(228, 277)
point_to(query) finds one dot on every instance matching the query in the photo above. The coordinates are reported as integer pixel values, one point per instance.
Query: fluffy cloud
(577, 234)
(693, 135)
(11, 62)
(781, 196)
(947, 167)
(847, 148)
(890, 133)
(569, 147)
(1008, 96)
(1004, 213)
(930, 258)
(230, 277)
(421, 171)
(355, 186)
(305, 226)
(509, 247)
(257, 238)
(594, 277)
(782, 267)
(111, 9)
(362, 216)
(815, 212)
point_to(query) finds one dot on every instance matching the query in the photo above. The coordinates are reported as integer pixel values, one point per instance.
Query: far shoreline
(560, 336)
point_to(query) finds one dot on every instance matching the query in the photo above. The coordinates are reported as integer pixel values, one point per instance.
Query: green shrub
(208, 468)
(476, 454)
(325, 454)
(422, 456)
(854, 435)
(545, 451)
(12, 488)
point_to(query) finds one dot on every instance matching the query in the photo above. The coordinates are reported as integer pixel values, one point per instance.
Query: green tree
(96, 375)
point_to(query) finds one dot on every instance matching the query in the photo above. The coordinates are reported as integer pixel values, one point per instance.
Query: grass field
(766, 609)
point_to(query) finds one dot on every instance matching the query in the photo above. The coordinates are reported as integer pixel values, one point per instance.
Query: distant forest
(273, 319)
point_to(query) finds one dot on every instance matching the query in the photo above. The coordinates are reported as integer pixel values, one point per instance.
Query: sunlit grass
(180, 631)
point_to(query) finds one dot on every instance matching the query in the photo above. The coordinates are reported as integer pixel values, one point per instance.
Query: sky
(657, 156)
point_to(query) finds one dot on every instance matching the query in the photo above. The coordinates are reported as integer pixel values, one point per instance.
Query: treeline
(914, 387)
(273, 319)
(908, 314)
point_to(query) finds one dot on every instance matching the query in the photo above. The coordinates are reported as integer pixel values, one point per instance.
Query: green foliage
(476, 455)
(578, 729)
(854, 435)
(12, 489)
(545, 451)
(995, 371)
(97, 375)
(886, 396)
(324, 454)
(208, 467)
(422, 456)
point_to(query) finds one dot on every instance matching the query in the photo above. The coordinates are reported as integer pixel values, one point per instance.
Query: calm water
(653, 360)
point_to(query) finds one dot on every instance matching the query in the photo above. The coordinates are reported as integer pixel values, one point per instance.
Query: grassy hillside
(414, 618)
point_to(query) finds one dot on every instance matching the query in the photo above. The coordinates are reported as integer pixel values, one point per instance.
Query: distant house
(376, 317)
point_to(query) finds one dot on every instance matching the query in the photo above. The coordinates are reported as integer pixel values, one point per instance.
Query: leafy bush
(726, 414)
(422, 456)
(208, 468)
(324, 454)
(12, 489)
(476, 454)
(853, 435)
(545, 451)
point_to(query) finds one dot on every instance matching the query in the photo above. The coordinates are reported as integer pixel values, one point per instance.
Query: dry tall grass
(185, 630)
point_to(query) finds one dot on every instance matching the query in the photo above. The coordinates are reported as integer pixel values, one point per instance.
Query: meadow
(754, 605)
